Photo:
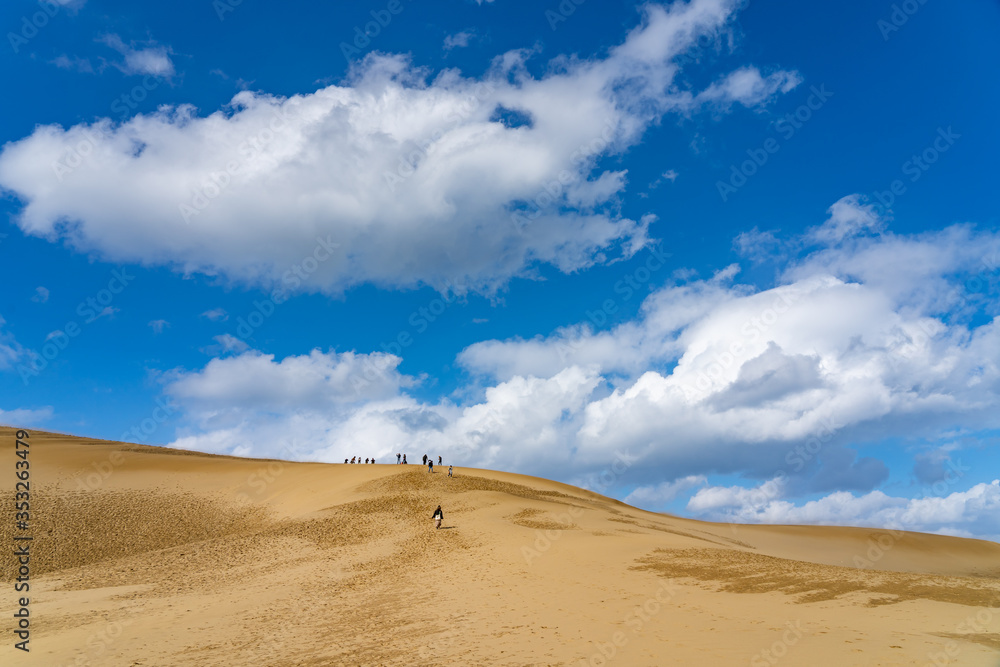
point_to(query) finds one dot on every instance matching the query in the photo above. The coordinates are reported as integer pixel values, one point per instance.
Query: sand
(149, 556)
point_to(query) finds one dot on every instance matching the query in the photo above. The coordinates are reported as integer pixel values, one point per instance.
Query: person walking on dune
(397, 458)
(451, 471)
(438, 517)
(430, 465)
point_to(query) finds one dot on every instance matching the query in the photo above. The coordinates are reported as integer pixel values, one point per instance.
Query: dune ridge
(151, 556)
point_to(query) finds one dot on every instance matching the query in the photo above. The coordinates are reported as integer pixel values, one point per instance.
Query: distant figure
(430, 465)
(439, 460)
(404, 459)
(366, 461)
(373, 460)
(425, 459)
(397, 458)
(450, 471)
(345, 460)
(352, 459)
(438, 517)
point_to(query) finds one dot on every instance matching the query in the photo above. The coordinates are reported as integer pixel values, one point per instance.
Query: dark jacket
(438, 514)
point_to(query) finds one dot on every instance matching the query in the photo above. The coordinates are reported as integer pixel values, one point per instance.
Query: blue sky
(735, 261)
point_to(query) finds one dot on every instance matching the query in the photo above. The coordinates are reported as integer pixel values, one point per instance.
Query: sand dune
(146, 556)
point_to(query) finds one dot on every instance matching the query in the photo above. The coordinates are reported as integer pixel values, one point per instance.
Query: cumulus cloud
(974, 512)
(655, 496)
(41, 295)
(712, 377)
(415, 176)
(341, 403)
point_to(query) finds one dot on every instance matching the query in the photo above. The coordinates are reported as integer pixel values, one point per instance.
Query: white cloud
(842, 351)
(216, 315)
(342, 402)
(848, 218)
(159, 325)
(975, 511)
(25, 417)
(152, 59)
(73, 63)
(317, 380)
(41, 295)
(755, 374)
(655, 496)
(748, 87)
(712, 377)
(10, 350)
(757, 246)
(458, 40)
(408, 174)
(714, 497)
(226, 344)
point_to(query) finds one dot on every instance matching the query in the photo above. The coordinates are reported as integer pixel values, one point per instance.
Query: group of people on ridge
(438, 515)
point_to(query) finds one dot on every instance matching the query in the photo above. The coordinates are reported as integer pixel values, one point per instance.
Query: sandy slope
(146, 556)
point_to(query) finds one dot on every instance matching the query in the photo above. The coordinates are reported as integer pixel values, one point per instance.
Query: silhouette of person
(438, 517)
